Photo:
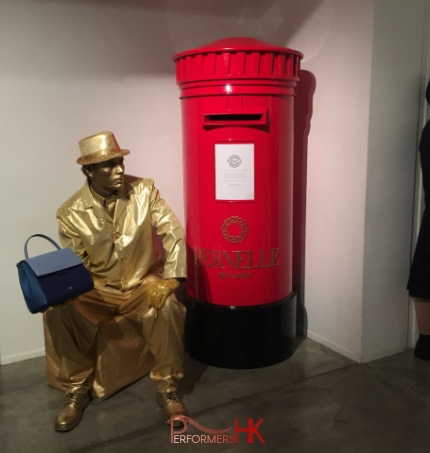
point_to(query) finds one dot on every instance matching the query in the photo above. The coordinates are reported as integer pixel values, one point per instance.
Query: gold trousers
(73, 328)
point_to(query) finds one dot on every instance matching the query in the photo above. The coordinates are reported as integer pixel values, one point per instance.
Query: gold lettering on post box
(217, 259)
(274, 257)
(234, 275)
(241, 257)
(207, 257)
(197, 255)
(236, 259)
(227, 257)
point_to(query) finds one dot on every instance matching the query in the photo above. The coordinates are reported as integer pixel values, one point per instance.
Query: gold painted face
(107, 177)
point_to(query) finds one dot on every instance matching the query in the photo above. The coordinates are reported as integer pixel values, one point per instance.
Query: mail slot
(237, 100)
(235, 119)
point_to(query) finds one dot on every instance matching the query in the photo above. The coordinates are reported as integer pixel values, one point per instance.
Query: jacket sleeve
(172, 232)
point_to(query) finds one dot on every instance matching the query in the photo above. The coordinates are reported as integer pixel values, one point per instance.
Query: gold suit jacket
(121, 251)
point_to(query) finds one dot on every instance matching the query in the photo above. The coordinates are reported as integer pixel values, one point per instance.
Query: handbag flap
(51, 262)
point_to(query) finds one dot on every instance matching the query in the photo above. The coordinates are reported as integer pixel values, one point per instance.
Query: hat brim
(96, 158)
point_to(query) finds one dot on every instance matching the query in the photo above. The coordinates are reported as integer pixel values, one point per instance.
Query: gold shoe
(172, 405)
(71, 413)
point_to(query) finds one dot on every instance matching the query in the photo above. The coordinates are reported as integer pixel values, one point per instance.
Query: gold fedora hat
(100, 148)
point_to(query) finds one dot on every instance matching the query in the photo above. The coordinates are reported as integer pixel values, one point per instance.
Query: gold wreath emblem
(235, 220)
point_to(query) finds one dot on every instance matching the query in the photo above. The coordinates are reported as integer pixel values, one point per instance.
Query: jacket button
(123, 259)
(117, 234)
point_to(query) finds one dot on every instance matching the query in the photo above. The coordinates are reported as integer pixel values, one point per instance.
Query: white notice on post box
(234, 171)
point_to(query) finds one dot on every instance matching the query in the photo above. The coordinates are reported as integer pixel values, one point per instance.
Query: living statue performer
(419, 278)
(109, 223)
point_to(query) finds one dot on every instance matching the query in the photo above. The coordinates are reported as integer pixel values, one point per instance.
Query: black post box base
(240, 337)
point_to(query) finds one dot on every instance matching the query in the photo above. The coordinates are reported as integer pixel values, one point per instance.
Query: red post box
(237, 97)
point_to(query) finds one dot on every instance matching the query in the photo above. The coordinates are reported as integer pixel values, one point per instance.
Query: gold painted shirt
(120, 251)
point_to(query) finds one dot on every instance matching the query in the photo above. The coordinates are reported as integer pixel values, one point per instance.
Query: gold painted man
(109, 223)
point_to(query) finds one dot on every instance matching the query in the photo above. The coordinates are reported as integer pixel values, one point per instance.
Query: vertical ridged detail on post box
(250, 59)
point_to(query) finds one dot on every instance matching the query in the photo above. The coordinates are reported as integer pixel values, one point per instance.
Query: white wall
(357, 301)
(337, 160)
(396, 96)
(71, 68)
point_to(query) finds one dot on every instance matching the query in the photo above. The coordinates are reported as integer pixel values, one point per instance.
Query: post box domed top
(236, 44)
(237, 58)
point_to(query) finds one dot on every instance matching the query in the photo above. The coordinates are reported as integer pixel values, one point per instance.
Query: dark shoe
(71, 413)
(173, 406)
(422, 348)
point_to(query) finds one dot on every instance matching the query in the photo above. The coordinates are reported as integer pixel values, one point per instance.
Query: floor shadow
(193, 371)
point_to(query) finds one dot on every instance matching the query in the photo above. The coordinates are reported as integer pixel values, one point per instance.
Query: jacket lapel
(89, 203)
(122, 202)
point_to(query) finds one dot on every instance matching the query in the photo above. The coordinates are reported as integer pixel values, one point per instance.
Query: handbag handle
(41, 236)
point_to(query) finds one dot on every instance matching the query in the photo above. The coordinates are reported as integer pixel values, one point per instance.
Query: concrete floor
(317, 401)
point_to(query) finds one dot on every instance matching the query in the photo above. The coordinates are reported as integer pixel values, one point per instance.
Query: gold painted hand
(159, 291)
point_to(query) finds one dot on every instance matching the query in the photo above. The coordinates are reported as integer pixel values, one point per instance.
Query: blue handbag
(52, 278)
